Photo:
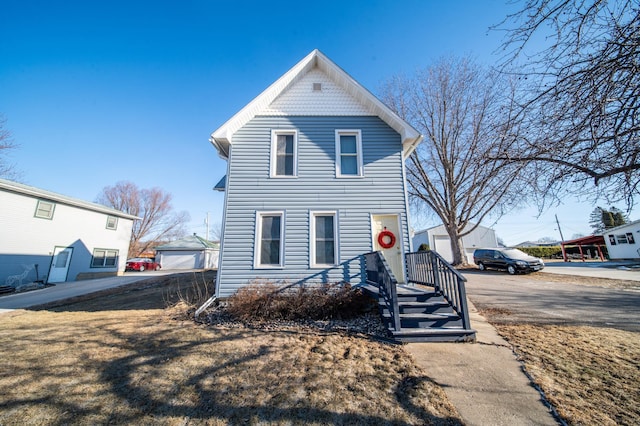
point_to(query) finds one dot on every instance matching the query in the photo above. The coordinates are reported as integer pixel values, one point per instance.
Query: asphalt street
(549, 302)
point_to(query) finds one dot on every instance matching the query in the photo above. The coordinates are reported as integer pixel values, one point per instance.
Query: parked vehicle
(509, 259)
(142, 264)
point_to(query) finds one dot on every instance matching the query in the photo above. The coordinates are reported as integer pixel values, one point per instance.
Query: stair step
(420, 297)
(431, 307)
(441, 334)
(425, 320)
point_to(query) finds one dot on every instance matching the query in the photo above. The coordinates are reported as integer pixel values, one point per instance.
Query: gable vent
(317, 87)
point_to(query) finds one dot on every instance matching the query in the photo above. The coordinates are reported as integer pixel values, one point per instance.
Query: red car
(142, 264)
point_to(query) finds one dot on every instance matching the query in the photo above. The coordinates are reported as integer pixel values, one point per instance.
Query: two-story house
(315, 179)
(49, 237)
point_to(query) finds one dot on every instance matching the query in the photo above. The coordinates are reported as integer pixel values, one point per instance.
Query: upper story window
(112, 222)
(348, 153)
(324, 239)
(45, 209)
(284, 153)
(269, 239)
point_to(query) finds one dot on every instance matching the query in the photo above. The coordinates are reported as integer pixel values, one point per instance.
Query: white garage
(190, 252)
(438, 240)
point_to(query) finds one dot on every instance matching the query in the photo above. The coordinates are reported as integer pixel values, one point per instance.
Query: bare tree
(582, 100)
(7, 170)
(464, 112)
(158, 221)
(216, 231)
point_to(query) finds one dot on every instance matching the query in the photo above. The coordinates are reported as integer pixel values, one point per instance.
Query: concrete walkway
(483, 380)
(72, 289)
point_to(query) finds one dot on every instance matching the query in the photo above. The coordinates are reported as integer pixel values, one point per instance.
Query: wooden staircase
(425, 316)
(420, 313)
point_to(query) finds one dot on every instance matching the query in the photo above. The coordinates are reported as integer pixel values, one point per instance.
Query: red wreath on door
(383, 235)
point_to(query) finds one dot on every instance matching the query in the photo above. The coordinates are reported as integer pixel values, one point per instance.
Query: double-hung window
(269, 239)
(324, 247)
(284, 153)
(104, 258)
(44, 209)
(112, 222)
(348, 153)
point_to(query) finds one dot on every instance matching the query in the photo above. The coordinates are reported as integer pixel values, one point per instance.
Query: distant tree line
(602, 219)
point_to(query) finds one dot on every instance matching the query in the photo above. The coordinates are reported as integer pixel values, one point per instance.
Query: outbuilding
(623, 242)
(47, 237)
(191, 252)
(438, 240)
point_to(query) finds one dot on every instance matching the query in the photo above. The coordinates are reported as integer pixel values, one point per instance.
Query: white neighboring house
(623, 242)
(53, 238)
(439, 241)
(191, 252)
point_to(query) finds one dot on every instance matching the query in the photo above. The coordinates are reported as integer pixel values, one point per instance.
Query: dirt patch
(153, 293)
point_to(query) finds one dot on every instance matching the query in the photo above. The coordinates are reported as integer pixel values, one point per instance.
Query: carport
(596, 241)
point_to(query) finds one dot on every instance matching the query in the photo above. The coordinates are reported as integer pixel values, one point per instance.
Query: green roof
(192, 242)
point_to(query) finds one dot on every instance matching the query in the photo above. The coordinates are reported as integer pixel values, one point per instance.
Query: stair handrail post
(390, 283)
(386, 283)
(464, 308)
(436, 270)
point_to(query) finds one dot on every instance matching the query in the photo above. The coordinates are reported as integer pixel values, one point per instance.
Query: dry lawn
(590, 375)
(143, 366)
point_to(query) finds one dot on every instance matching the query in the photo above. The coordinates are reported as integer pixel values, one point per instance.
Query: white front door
(60, 264)
(392, 254)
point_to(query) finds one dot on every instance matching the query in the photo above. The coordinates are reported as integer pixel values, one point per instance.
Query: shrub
(546, 252)
(423, 247)
(267, 301)
(186, 295)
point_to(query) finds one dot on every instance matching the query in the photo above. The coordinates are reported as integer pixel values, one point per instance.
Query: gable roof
(471, 224)
(617, 228)
(222, 137)
(192, 242)
(34, 192)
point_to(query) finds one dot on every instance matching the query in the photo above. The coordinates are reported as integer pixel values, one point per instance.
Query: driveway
(73, 288)
(524, 299)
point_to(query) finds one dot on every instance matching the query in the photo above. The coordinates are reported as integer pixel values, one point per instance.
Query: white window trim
(115, 223)
(622, 239)
(258, 240)
(104, 259)
(50, 216)
(312, 238)
(358, 135)
(274, 152)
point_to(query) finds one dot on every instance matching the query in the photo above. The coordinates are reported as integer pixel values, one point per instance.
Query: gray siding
(250, 189)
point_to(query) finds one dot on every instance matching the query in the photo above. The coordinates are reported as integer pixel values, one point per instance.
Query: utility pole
(206, 221)
(564, 254)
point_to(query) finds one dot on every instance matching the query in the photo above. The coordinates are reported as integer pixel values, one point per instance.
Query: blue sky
(98, 92)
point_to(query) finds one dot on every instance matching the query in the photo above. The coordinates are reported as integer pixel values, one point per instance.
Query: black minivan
(509, 259)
